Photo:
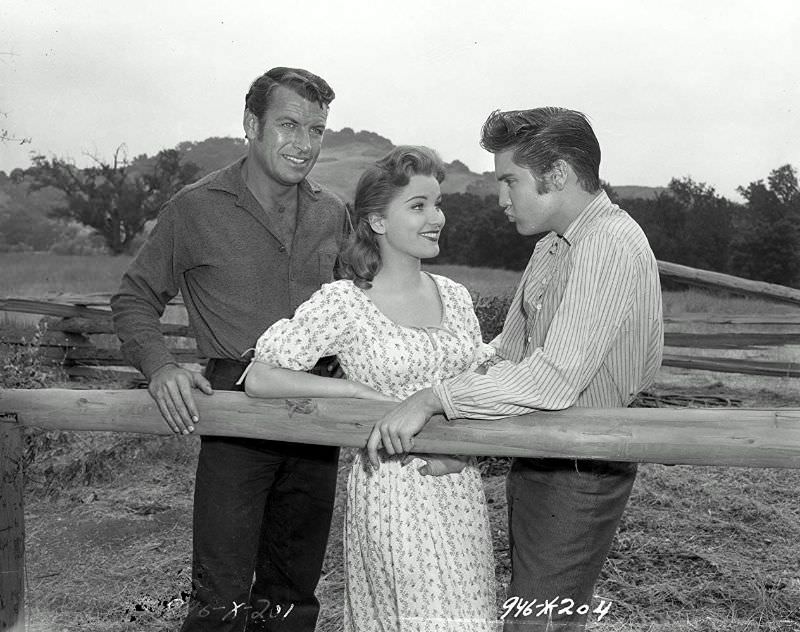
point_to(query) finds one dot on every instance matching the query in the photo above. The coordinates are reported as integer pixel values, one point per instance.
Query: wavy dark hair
(378, 185)
(541, 136)
(303, 83)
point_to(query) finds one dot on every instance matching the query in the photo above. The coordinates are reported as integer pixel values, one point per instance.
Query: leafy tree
(111, 197)
(767, 247)
(478, 234)
(689, 223)
(610, 192)
(25, 231)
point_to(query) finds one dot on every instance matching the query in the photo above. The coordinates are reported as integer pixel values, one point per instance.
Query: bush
(491, 312)
(75, 241)
(23, 365)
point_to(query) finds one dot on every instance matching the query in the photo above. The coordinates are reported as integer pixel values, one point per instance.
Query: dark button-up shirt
(226, 254)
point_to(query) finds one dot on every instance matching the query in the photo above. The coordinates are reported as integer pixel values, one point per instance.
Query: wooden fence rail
(737, 285)
(734, 437)
(695, 436)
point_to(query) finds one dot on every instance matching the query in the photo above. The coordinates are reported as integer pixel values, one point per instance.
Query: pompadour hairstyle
(541, 136)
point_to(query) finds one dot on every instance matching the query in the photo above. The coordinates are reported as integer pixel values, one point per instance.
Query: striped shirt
(584, 328)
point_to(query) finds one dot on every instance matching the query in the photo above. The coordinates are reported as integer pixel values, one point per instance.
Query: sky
(673, 88)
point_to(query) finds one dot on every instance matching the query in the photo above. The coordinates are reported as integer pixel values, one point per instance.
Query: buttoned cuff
(442, 392)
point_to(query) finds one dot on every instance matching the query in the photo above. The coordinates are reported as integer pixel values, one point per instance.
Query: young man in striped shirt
(584, 329)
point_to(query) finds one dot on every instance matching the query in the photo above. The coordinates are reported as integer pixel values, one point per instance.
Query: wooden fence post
(12, 526)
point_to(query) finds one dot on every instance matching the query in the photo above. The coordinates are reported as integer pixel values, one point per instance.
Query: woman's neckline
(419, 327)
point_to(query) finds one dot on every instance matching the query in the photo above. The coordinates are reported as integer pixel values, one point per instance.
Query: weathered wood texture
(719, 281)
(12, 528)
(729, 340)
(97, 325)
(738, 437)
(50, 308)
(732, 365)
(750, 322)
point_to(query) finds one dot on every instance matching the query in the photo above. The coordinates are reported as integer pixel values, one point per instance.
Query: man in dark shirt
(245, 246)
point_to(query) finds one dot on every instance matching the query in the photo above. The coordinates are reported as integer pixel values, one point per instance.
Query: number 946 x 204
(515, 607)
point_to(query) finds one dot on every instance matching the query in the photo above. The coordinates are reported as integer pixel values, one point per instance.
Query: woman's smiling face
(413, 219)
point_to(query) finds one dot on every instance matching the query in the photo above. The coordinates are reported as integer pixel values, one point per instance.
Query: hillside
(345, 155)
(634, 192)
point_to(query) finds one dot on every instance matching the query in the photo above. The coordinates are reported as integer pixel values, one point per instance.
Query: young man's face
(288, 145)
(531, 212)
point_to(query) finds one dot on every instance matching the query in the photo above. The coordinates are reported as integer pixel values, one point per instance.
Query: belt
(223, 373)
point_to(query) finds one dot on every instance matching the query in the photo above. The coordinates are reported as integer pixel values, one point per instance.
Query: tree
(689, 223)
(477, 233)
(767, 247)
(112, 198)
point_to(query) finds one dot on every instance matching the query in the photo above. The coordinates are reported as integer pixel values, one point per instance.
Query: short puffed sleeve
(320, 327)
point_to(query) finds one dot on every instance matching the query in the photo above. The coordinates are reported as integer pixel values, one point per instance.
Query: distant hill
(631, 192)
(345, 154)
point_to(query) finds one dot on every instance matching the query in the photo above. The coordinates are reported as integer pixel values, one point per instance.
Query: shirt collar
(229, 179)
(601, 205)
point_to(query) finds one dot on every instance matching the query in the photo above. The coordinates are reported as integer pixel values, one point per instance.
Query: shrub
(491, 312)
(75, 241)
(23, 365)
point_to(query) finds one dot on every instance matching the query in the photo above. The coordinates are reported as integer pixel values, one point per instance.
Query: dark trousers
(562, 517)
(262, 511)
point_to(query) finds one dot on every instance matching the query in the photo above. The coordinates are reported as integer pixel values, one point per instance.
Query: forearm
(273, 382)
(147, 286)
(137, 325)
(508, 388)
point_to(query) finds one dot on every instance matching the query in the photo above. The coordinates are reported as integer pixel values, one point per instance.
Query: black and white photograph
(399, 316)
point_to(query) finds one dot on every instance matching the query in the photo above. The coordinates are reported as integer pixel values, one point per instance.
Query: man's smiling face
(285, 145)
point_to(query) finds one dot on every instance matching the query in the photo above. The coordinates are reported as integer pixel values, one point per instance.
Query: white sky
(707, 89)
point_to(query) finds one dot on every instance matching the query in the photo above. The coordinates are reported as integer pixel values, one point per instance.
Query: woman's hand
(362, 391)
(438, 464)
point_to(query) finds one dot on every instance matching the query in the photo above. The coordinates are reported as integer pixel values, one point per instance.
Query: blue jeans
(562, 517)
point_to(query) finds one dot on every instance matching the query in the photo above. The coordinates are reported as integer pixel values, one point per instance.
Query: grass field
(36, 274)
(108, 516)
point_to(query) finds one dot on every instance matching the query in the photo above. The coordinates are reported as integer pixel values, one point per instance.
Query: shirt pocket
(327, 261)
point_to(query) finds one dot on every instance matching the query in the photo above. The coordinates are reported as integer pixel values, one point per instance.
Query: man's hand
(397, 429)
(171, 387)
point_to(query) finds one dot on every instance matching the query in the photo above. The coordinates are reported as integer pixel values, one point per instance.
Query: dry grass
(43, 273)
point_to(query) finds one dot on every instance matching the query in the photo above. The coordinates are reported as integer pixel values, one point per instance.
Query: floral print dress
(418, 549)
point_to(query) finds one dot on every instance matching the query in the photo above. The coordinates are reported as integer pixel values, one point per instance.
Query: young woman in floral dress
(418, 550)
